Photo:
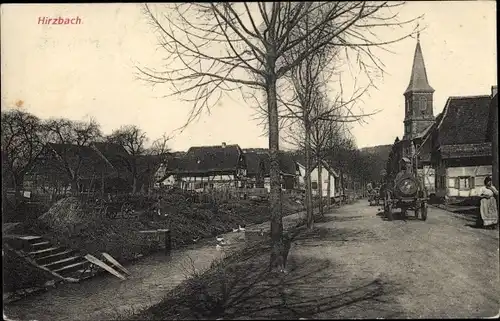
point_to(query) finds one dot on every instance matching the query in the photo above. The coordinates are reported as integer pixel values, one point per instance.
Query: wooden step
(44, 252)
(47, 258)
(40, 245)
(71, 268)
(56, 264)
(30, 237)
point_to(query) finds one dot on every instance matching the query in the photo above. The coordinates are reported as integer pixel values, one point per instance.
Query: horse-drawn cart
(408, 194)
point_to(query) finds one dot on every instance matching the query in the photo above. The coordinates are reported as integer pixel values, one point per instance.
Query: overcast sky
(77, 71)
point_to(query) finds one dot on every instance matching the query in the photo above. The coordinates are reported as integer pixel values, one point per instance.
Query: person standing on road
(488, 207)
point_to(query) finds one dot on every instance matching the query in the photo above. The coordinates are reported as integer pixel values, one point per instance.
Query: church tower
(419, 114)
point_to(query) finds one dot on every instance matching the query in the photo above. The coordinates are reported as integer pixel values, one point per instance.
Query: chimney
(494, 90)
(223, 144)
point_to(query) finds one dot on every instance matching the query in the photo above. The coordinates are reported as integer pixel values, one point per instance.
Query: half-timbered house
(212, 167)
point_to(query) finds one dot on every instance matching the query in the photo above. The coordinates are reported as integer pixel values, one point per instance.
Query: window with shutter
(464, 182)
(314, 185)
(472, 181)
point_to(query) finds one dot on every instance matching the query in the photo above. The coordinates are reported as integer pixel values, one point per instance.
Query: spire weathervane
(418, 32)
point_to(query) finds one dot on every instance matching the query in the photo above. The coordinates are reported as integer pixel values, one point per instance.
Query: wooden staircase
(63, 263)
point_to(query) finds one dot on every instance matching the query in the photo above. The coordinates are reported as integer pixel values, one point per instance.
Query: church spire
(418, 78)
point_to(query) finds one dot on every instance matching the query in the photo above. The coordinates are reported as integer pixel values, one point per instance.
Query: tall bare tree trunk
(17, 190)
(307, 177)
(329, 191)
(342, 190)
(277, 260)
(320, 186)
(134, 185)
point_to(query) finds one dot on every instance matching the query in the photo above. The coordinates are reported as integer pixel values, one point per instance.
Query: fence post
(168, 241)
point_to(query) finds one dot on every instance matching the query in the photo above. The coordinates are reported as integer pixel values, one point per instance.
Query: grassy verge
(70, 224)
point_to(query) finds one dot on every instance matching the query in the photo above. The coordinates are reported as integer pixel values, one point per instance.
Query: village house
(329, 179)
(60, 169)
(209, 167)
(461, 146)
(258, 169)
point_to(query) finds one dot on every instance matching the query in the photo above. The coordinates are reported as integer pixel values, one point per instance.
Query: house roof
(170, 165)
(84, 158)
(287, 164)
(116, 154)
(491, 117)
(328, 168)
(466, 150)
(418, 78)
(256, 160)
(464, 120)
(147, 164)
(209, 159)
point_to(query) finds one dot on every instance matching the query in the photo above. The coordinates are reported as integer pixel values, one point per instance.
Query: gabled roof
(418, 78)
(114, 153)
(170, 165)
(464, 120)
(325, 165)
(83, 159)
(254, 162)
(211, 159)
(260, 159)
(328, 168)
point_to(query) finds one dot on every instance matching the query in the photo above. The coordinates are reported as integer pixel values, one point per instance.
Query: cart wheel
(423, 210)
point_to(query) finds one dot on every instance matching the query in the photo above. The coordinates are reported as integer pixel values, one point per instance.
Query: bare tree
(160, 146)
(213, 48)
(74, 137)
(65, 131)
(134, 140)
(21, 143)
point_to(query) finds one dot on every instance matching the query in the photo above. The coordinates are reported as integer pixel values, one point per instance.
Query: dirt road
(440, 268)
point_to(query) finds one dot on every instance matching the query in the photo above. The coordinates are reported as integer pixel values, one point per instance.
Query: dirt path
(106, 297)
(440, 268)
